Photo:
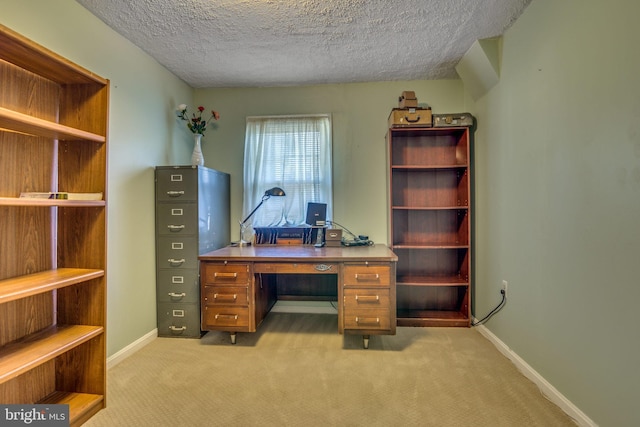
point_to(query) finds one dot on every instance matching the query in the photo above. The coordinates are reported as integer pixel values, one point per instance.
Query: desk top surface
(300, 253)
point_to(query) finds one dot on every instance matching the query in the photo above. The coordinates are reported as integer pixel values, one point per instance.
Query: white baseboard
(545, 387)
(131, 348)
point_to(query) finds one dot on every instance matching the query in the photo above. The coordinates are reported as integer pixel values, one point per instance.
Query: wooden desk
(238, 285)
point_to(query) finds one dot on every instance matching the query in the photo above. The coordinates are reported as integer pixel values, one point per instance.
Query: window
(293, 153)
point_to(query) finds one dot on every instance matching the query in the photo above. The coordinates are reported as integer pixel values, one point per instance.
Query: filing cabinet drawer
(179, 320)
(176, 185)
(225, 317)
(177, 252)
(225, 295)
(226, 274)
(177, 218)
(367, 275)
(367, 319)
(178, 286)
(366, 298)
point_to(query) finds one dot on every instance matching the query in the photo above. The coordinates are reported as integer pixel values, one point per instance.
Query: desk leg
(365, 341)
(232, 335)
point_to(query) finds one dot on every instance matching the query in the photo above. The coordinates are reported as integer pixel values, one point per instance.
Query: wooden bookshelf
(53, 138)
(430, 224)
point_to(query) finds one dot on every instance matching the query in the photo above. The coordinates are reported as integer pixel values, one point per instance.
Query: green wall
(558, 201)
(557, 178)
(359, 117)
(141, 135)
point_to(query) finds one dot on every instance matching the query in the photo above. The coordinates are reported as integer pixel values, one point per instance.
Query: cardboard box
(410, 117)
(408, 100)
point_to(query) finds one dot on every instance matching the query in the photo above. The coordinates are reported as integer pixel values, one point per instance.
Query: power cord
(494, 311)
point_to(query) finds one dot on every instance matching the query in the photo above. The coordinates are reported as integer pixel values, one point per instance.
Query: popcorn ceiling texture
(248, 43)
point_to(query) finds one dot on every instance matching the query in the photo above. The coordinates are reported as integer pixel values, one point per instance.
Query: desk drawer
(366, 298)
(369, 319)
(225, 295)
(295, 268)
(367, 275)
(226, 274)
(225, 317)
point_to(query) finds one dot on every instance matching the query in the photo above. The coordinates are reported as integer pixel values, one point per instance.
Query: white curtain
(290, 152)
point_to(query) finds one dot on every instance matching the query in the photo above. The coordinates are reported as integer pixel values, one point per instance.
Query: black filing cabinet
(192, 218)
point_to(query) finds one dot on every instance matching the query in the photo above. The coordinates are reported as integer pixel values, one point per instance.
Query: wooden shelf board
(432, 318)
(44, 281)
(430, 167)
(24, 53)
(430, 208)
(409, 245)
(431, 281)
(33, 350)
(24, 201)
(23, 123)
(81, 405)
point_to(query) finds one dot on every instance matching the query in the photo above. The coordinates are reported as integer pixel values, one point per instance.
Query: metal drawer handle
(176, 261)
(367, 276)
(364, 320)
(180, 329)
(175, 193)
(225, 275)
(368, 297)
(172, 227)
(174, 295)
(227, 316)
(223, 296)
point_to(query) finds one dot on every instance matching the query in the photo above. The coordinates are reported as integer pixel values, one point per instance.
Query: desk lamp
(275, 191)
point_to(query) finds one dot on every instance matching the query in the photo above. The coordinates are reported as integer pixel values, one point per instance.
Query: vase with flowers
(198, 126)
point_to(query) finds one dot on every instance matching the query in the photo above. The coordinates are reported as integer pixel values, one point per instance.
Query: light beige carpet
(297, 370)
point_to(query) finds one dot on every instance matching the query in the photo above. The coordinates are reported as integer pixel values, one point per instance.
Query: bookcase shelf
(23, 123)
(17, 201)
(430, 224)
(45, 281)
(53, 137)
(32, 350)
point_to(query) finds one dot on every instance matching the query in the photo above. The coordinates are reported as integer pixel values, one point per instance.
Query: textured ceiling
(247, 43)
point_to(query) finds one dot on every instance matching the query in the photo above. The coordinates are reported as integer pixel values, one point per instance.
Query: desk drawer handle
(367, 320)
(173, 261)
(180, 329)
(225, 275)
(174, 295)
(225, 296)
(175, 193)
(172, 227)
(367, 276)
(227, 316)
(366, 298)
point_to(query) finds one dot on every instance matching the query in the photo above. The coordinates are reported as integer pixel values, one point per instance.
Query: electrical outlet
(505, 285)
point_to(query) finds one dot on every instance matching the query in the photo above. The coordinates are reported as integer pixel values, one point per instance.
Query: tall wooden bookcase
(53, 138)
(430, 224)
